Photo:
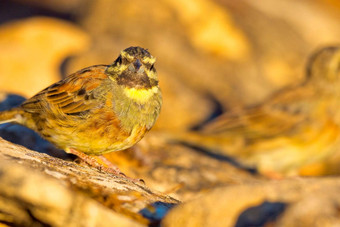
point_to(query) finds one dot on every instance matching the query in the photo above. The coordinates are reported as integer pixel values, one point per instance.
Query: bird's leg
(111, 168)
(110, 164)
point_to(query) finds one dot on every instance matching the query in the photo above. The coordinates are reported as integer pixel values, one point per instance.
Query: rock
(29, 198)
(182, 171)
(36, 189)
(290, 202)
(32, 51)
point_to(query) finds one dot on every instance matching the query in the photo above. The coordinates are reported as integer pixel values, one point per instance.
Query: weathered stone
(38, 189)
(290, 202)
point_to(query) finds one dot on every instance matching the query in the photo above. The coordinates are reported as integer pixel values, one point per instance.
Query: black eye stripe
(119, 60)
(148, 65)
(124, 60)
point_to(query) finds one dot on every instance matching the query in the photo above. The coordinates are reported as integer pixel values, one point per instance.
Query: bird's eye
(152, 67)
(119, 60)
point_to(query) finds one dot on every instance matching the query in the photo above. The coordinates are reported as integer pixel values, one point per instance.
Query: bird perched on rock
(292, 133)
(99, 109)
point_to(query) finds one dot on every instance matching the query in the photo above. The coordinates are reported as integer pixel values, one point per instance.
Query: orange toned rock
(291, 202)
(179, 170)
(37, 188)
(211, 28)
(32, 51)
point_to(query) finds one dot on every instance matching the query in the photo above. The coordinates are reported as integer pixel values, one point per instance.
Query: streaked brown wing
(72, 95)
(280, 114)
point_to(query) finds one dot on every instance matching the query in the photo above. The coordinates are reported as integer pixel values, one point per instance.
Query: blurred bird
(99, 109)
(291, 133)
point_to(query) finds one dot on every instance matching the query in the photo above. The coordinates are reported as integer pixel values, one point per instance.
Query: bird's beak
(137, 64)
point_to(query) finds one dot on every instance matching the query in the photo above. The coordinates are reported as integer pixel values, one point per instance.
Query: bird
(293, 132)
(96, 110)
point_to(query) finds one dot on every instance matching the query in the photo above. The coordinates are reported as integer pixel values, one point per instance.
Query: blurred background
(212, 55)
(233, 53)
(208, 52)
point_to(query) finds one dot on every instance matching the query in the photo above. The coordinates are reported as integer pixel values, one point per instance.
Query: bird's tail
(12, 115)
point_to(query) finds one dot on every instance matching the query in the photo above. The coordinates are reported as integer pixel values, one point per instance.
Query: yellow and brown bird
(99, 109)
(294, 132)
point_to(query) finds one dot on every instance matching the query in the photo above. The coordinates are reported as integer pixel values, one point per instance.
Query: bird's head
(134, 68)
(323, 70)
(324, 65)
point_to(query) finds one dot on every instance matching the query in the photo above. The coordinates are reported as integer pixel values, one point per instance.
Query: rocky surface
(37, 189)
(290, 202)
